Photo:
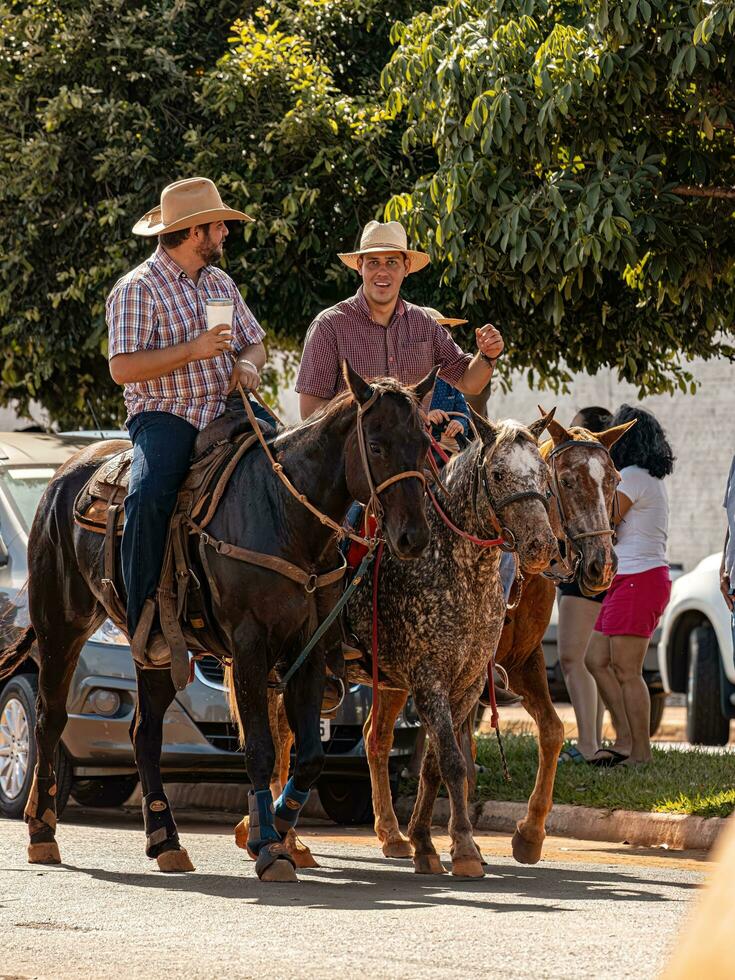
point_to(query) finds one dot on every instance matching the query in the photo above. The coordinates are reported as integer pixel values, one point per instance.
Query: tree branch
(683, 190)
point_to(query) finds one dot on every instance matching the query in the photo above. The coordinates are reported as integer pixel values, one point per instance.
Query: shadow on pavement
(370, 888)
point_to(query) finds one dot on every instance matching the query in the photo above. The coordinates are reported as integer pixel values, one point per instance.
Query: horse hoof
(44, 853)
(526, 851)
(400, 848)
(241, 834)
(428, 864)
(174, 861)
(280, 870)
(303, 858)
(468, 868)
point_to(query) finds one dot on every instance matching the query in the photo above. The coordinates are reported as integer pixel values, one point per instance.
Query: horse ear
(488, 432)
(609, 437)
(557, 431)
(422, 388)
(360, 389)
(536, 428)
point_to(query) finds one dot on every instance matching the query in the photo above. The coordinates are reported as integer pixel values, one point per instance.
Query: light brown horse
(584, 479)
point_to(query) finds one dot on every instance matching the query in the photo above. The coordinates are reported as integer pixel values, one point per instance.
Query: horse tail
(234, 710)
(13, 656)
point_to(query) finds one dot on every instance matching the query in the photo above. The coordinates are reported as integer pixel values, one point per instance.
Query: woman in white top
(640, 590)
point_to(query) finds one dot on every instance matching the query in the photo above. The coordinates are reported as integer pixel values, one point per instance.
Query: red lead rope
(374, 650)
(480, 542)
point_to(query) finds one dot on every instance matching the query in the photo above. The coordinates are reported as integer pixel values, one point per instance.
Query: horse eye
(375, 448)
(566, 483)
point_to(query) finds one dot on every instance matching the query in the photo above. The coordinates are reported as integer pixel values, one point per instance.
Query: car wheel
(706, 724)
(103, 791)
(658, 703)
(346, 801)
(18, 749)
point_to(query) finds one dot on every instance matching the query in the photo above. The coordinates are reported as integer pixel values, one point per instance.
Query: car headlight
(109, 633)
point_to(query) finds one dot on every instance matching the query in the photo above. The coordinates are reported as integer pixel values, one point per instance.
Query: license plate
(325, 729)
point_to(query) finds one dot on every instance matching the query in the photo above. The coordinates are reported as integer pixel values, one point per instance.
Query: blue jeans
(162, 448)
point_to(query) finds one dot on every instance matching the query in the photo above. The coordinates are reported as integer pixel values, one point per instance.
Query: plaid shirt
(407, 349)
(157, 305)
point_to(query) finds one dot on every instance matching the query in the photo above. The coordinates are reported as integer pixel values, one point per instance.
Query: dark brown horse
(263, 617)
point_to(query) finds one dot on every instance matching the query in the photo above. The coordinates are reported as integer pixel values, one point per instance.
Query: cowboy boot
(504, 696)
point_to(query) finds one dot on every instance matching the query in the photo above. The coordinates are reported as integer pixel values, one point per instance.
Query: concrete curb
(677, 831)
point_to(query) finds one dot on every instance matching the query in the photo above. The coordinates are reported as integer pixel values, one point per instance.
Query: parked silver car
(95, 763)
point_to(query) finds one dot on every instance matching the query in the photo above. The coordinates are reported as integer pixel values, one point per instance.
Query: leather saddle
(180, 603)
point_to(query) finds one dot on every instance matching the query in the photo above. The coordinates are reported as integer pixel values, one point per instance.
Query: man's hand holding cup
(217, 338)
(212, 343)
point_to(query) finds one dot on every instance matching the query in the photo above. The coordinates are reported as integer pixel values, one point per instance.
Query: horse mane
(577, 433)
(510, 430)
(344, 400)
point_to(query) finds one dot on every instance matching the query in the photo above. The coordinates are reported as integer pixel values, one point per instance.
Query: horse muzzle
(408, 542)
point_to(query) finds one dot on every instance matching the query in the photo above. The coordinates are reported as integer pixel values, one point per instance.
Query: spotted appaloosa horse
(584, 481)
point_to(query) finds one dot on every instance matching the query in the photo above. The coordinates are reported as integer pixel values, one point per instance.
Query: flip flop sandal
(613, 758)
(571, 755)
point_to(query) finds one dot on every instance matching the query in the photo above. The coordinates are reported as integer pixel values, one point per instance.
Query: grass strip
(675, 781)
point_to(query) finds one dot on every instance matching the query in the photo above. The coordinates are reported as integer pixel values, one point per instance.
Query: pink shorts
(634, 603)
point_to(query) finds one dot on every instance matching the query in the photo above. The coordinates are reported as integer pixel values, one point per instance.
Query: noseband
(573, 539)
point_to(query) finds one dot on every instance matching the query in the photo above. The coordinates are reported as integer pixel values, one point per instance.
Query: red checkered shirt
(407, 349)
(157, 305)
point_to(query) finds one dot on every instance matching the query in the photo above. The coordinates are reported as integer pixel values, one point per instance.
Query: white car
(695, 652)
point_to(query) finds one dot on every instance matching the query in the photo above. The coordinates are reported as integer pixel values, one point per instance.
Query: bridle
(572, 540)
(495, 507)
(374, 505)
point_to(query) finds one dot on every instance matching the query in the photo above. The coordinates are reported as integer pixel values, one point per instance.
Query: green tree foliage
(583, 185)
(106, 101)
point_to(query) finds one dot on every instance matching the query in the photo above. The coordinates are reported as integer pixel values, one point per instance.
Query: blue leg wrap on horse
(261, 830)
(288, 806)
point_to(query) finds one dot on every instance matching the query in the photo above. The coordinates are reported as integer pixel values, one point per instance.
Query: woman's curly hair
(644, 445)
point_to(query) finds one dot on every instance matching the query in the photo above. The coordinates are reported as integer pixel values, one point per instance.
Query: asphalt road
(588, 910)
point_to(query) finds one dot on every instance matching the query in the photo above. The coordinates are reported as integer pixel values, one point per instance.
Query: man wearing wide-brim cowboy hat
(380, 334)
(175, 372)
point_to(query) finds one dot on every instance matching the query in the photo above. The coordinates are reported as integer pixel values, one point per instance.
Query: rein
(570, 573)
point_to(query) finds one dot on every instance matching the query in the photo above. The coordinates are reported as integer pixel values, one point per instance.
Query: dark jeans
(162, 447)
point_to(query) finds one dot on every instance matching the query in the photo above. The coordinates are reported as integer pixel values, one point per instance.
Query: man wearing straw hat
(176, 373)
(380, 334)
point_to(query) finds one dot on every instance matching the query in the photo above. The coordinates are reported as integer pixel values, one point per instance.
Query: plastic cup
(219, 311)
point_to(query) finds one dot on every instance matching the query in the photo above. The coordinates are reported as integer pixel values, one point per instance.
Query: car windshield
(24, 486)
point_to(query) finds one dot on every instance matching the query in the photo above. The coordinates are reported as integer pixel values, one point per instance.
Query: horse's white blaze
(597, 470)
(524, 460)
